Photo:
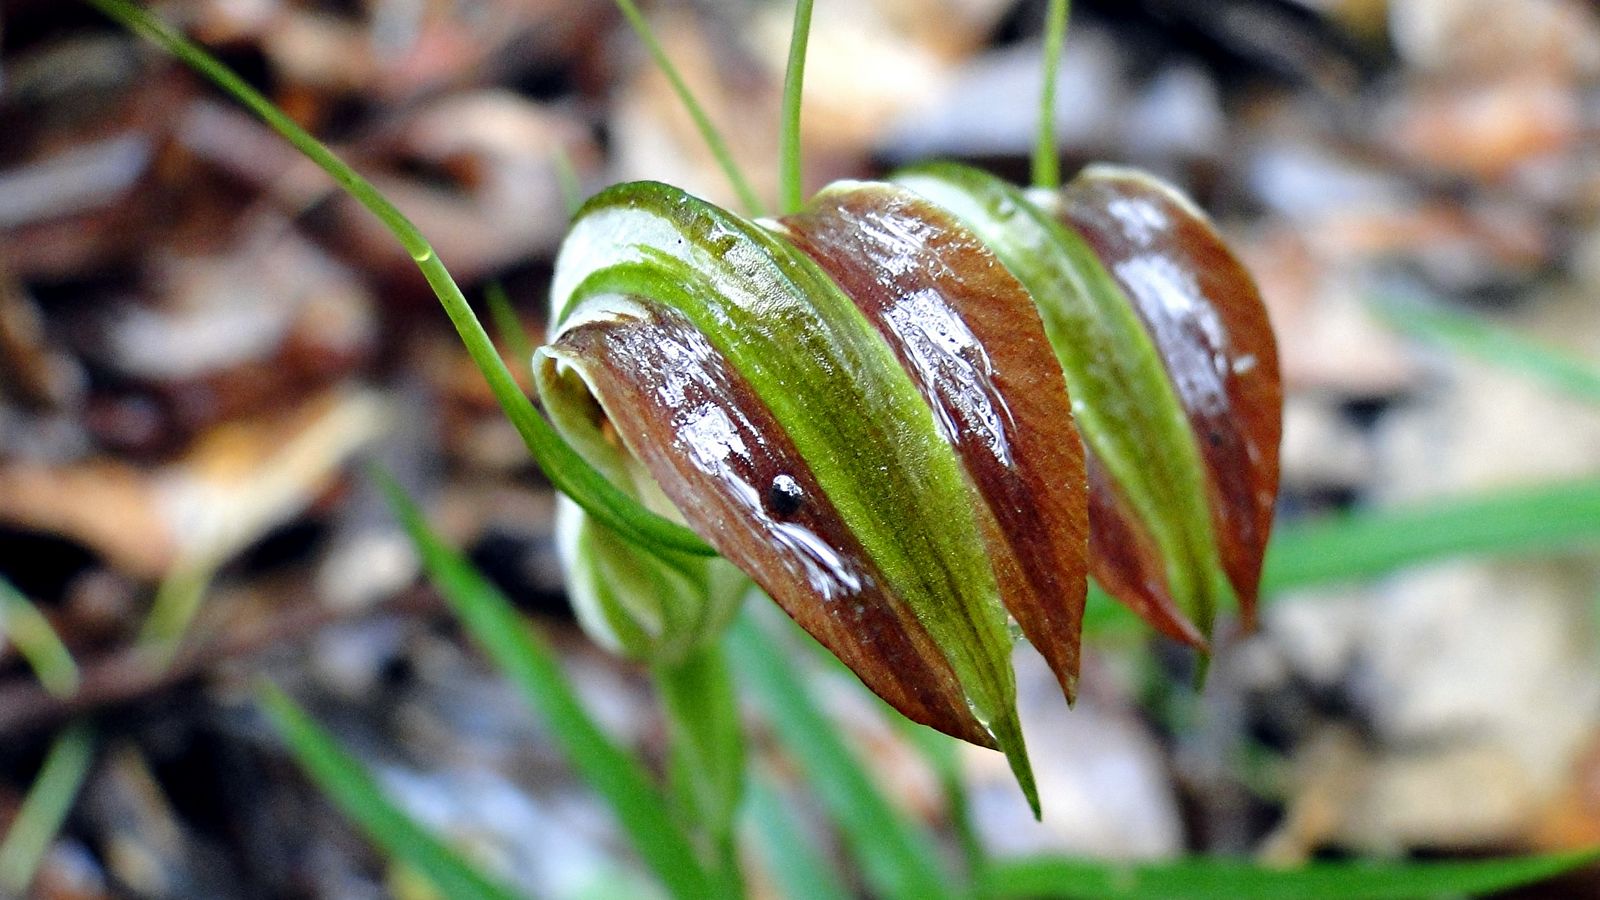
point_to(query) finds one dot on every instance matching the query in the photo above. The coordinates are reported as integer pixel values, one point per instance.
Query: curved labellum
(1210, 326)
(967, 333)
(783, 428)
(637, 603)
(1152, 540)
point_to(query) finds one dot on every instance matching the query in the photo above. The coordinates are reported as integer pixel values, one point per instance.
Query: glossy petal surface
(911, 549)
(716, 450)
(969, 336)
(1210, 326)
(1151, 542)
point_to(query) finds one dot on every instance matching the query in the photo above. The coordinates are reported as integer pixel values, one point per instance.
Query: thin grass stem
(515, 337)
(790, 174)
(797, 866)
(1493, 344)
(708, 131)
(531, 664)
(567, 180)
(38, 643)
(1227, 879)
(895, 853)
(44, 809)
(177, 602)
(354, 791)
(1046, 166)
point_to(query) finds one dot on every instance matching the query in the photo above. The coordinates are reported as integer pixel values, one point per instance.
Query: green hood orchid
(915, 413)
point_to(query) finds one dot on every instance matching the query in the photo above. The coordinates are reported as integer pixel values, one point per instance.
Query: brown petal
(971, 339)
(1210, 327)
(723, 460)
(1126, 561)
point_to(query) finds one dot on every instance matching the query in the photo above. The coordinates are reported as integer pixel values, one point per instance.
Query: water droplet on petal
(784, 496)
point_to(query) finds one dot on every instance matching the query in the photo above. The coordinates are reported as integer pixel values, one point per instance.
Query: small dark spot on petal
(784, 496)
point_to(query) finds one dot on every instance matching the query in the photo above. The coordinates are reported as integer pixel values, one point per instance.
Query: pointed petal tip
(1249, 620)
(1008, 734)
(1210, 324)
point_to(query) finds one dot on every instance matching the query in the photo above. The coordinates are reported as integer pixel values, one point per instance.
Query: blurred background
(201, 340)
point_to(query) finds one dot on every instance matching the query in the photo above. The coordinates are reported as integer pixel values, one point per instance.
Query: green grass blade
(708, 131)
(943, 755)
(510, 328)
(1492, 344)
(794, 77)
(1046, 167)
(941, 752)
(897, 857)
(172, 613)
(344, 781)
(38, 643)
(1371, 543)
(796, 864)
(1367, 544)
(44, 809)
(523, 655)
(565, 468)
(1200, 879)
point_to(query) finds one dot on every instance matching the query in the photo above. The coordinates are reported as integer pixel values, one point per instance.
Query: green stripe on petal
(1202, 308)
(970, 336)
(1151, 538)
(696, 425)
(836, 392)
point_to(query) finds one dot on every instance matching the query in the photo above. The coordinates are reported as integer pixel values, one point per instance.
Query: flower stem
(1046, 168)
(708, 754)
(793, 80)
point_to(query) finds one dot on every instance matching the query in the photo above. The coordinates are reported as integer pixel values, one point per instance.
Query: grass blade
(1367, 544)
(564, 467)
(510, 328)
(38, 643)
(896, 856)
(343, 780)
(1199, 879)
(177, 603)
(44, 809)
(1472, 335)
(796, 865)
(943, 755)
(708, 131)
(1371, 543)
(531, 665)
(794, 77)
(1046, 167)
